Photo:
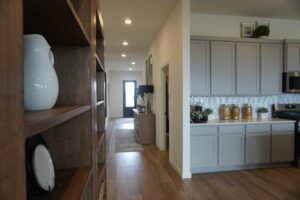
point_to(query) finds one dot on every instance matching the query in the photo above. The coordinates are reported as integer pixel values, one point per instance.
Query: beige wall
(115, 86)
(229, 26)
(170, 47)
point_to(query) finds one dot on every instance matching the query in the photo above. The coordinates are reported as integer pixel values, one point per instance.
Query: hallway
(148, 175)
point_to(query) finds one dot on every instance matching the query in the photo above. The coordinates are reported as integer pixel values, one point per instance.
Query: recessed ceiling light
(130, 69)
(125, 43)
(123, 55)
(127, 21)
(133, 63)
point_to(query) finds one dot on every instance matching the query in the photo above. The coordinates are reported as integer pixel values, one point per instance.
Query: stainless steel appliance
(291, 82)
(290, 111)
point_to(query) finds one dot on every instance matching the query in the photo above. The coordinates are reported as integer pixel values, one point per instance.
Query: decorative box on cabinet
(144, 127)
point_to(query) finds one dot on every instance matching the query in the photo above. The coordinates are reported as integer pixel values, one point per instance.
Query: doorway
(165, 103)
(129, 98)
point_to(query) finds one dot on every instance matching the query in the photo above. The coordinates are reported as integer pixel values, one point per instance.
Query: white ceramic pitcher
(40, 79)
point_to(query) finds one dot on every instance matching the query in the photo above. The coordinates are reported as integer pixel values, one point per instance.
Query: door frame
(163, 105)
(124, 99)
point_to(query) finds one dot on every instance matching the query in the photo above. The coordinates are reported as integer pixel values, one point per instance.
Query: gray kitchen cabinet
(200, 67)
(222, 68)
(204, 146)
(293, 57)
(231, 145)
(271, 68)
(282, 142)
(258, 143)
(248, 68)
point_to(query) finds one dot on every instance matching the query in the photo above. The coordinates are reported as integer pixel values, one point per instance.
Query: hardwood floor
(148, 175)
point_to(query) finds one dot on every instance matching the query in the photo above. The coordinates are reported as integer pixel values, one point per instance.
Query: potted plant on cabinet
(208, 112)
(262, 113)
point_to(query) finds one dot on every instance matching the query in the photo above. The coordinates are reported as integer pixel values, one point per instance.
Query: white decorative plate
(43, 168)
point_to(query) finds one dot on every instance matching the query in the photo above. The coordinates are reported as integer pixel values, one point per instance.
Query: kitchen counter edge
(233, 122)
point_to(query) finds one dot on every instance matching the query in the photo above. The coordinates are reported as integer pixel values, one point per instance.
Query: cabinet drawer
(203, 130)
(232, 129)
(286, 127)
(258, 128)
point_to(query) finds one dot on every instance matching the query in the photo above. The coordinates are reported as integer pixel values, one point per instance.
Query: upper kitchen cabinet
(271, 68)
(222, 68)
(248, 67)
(200, 67)
(293, 56)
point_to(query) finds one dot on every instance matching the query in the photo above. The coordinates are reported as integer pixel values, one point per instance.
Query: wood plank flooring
(148, 175)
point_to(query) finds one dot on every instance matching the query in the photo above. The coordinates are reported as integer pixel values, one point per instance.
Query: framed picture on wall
(247, 29)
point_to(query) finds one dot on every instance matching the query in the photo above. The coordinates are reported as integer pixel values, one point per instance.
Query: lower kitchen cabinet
(231, 149)
(258, 148)
(241, 146)
(231, 145)
(282, 142)
(282, 147)
(204, 147)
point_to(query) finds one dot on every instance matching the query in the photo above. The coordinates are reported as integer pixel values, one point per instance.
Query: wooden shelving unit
(74, 30)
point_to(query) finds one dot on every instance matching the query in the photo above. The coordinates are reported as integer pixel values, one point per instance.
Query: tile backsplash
(255, 101)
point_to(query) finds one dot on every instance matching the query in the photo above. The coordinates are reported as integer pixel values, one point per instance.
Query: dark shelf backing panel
(42, 120)
(56, 20)
(101, 118)
(83, 10)
(101, 85)
(70, 143)
(72, 65)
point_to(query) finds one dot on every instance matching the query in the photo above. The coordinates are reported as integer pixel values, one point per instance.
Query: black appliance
(291, 82)
(292, 112)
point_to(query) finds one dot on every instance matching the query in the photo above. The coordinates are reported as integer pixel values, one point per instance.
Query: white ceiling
(147, 18)
(285, 9)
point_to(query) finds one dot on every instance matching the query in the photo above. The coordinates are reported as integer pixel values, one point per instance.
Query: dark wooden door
(129, 98)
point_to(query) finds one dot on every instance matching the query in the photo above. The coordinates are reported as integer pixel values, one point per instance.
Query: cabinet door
(200, 67)
(204, 146)
(282, 146)
(271, 68)
(258, 148)
(248, 68)
(231, 149)
(223, 68)
(204, 151)
(293, 57)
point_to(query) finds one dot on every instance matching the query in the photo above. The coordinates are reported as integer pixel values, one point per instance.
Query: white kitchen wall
(115, 85)
(229, 26)
(171, 47)
(255, 101)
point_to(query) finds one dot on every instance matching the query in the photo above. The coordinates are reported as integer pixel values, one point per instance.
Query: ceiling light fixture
(127, 21)
(125, 43)
(123, 55)
(130, 69)
(133, 63)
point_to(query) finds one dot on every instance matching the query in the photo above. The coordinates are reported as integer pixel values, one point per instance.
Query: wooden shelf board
(39, 121)
(99, 64)
(56, 20)
(100, 102)
(100, 139)
(70, 184)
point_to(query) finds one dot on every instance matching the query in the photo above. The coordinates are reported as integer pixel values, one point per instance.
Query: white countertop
(253, 121)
